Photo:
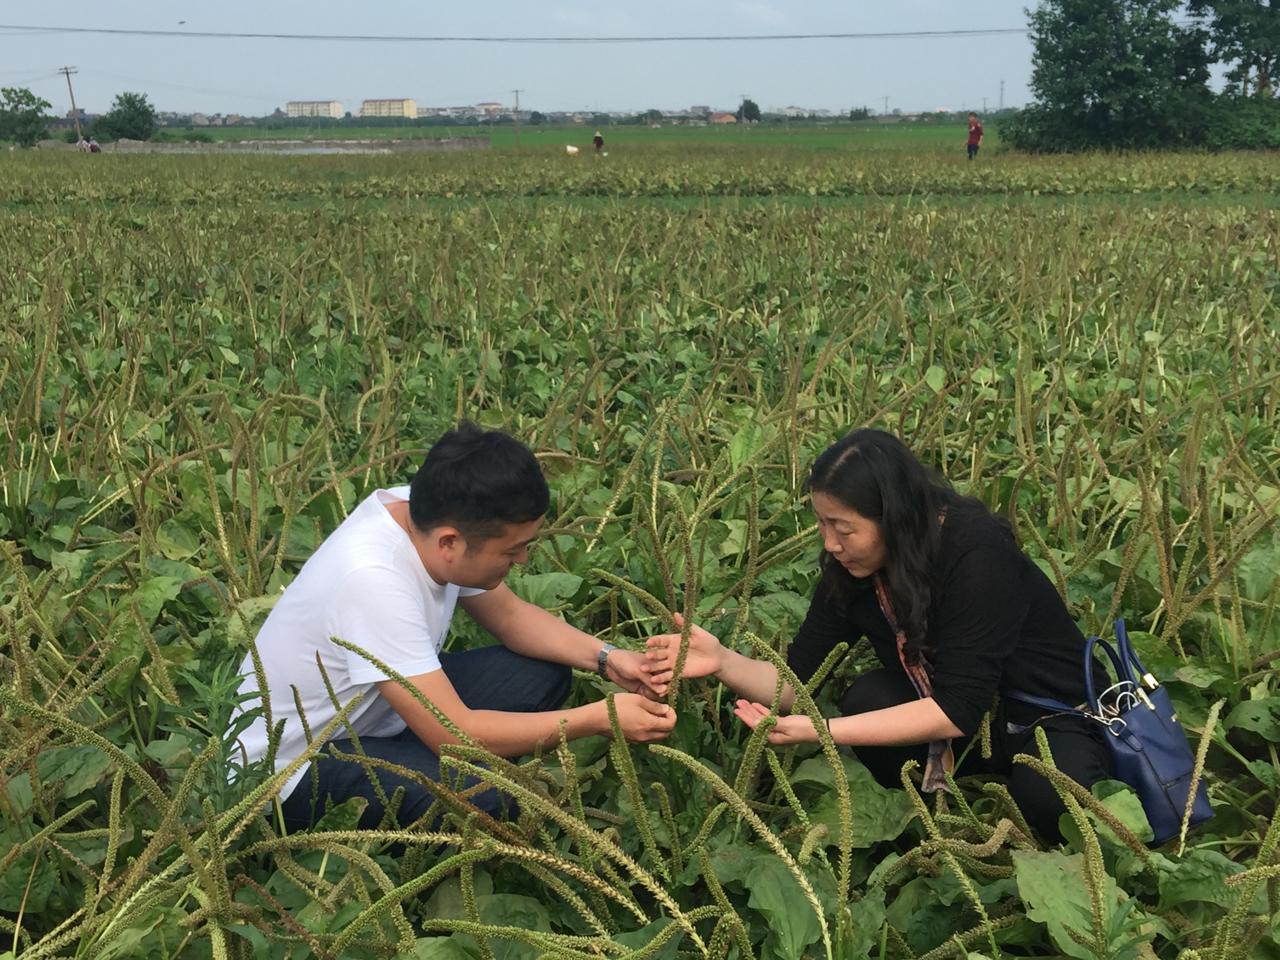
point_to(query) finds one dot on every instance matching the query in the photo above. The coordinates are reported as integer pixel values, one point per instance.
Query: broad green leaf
(546, 590)
(936, 378)
(1055, 891)
(878, 813)
(79, 767)
(745, 443)
(1198, 876)
(635, 939)
(1258, 716)
(441, 948)
(154, 593)
(791, 921)
(176, 541)
(27, 882)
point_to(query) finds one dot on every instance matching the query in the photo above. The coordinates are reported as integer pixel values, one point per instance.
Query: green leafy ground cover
(200, 378)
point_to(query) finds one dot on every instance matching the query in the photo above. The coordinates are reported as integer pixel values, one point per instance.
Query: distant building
(407, 108)
(490, 108)
(314, 108)
(722, 118)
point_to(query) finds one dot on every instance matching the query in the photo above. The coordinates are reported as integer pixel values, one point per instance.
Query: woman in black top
(956, 613)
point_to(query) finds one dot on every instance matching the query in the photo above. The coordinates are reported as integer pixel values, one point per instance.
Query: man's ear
(448, 539)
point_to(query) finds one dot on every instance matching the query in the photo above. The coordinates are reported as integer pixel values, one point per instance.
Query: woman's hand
(704, 657)
(795, 728)
(628, 669)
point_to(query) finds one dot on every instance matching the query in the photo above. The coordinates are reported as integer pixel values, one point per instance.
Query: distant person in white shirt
(387, 581)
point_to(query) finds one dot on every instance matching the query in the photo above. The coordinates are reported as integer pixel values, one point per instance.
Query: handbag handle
(1130, 656)
(1116, 662)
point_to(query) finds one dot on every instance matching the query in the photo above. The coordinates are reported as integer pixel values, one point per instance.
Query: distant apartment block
(314, 108)
(389, 108)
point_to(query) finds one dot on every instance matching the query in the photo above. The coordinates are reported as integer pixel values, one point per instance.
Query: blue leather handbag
(1149, 749)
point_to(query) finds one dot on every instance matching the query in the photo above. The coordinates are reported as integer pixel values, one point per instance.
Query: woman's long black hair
(873, 473)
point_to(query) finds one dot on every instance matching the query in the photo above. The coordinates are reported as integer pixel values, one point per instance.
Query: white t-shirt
(366, 585)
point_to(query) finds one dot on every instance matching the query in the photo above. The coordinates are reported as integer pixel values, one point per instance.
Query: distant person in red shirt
(975, 135)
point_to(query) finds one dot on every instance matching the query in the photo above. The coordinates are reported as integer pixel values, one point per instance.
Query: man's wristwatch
(602, 660)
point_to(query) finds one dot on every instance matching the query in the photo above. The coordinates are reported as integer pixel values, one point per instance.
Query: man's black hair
(478, 481)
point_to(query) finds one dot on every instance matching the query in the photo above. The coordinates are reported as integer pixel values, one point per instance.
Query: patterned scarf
(942, 759)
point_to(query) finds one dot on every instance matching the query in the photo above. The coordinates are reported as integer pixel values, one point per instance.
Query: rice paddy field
(206, 362)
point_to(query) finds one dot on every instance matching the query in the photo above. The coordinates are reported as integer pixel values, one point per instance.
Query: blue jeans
(490, 678)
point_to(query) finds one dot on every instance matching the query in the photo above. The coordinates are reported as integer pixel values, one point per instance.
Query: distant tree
(536, 118)
(1246, 35)
(131, 116)
(749, 112)
(859, 113)
(22, 116)
(1113, 73)
(651, 116)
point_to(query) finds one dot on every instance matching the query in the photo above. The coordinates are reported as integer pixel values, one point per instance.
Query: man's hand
(705, 655)
(796, 728)
(642, 720)
(626, 668)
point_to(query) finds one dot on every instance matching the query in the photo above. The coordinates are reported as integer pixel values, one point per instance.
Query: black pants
(488, 678)
(1078, 750)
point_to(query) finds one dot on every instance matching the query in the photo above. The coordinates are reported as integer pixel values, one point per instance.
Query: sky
(254, 76)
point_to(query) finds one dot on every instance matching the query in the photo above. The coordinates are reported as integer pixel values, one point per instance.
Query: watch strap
(602, 659)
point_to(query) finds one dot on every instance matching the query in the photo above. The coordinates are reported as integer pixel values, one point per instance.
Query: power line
(385, 38)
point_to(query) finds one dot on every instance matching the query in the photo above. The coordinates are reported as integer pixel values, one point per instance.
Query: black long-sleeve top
(995, 623)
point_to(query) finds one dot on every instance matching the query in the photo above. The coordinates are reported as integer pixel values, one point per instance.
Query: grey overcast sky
(254, 76)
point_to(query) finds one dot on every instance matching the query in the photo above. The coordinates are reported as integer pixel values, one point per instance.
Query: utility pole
(1001, 94)
(517, 115)
(67, 72)
(984, 106)
(886, 106)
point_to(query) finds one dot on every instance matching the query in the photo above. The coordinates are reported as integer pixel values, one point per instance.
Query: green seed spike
(752, 754)
(1197, 770)
(783, 783)
(947, 856)
(657, 431)
(704, 832)
(393, 898)
(804, 701)
(1229, 934)
(737, 928)
(740, 807)
(829, 663)
(580, 832)
(1094, 867)
(669, 820)
(812, 840)
(655, 606)
(466, 877)
(620, 753)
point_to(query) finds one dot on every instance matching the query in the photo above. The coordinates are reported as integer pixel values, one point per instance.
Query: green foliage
(748, 111)
(205, 374)
(131, 117)
(1245, 35)
(22, 116)
(1112, 73)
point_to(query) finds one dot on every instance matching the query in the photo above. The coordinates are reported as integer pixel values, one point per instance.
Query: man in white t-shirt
(386, 582)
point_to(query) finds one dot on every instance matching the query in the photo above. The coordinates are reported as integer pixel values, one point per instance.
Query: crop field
(859, 136)
(205, 363)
